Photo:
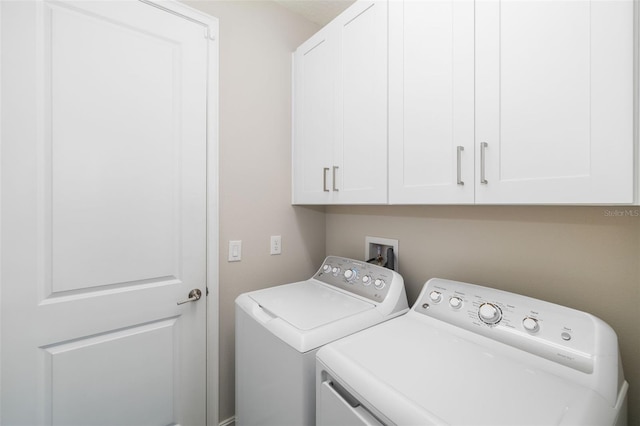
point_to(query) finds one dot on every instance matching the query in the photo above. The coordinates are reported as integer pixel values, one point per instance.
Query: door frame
(210, 28)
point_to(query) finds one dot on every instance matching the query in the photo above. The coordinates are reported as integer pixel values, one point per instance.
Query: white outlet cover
(276, 244)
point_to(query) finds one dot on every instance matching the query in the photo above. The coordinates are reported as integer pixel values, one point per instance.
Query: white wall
(256, 42)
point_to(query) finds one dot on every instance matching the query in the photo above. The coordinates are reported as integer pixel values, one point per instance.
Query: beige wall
(256, 41)
(583, 257)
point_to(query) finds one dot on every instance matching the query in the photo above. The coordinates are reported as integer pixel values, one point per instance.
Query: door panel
(554, 101)
(104, 214)
(103, 232)
(548, 67)
(361, 148)
(315, 118)
(132, 369)
(431, 102)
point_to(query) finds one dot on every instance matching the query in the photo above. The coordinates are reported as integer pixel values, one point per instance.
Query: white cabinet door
(431, 134)
(554, 101)
(314, 118)
(340, 110)
(104, 143)
(360, 156)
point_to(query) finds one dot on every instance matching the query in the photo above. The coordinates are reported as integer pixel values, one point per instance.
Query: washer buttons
(455, 302)
(350, 275)
(531, 324)
(435, 296)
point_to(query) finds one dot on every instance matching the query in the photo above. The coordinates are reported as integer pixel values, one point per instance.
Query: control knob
(335, 271)
(455, 302)
(489, 313)
(326, 268)
(435, 296)
(531, 324)
(366, 280)
(350, 274)
(379, 284)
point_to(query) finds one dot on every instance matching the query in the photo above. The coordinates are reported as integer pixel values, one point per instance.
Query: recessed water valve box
(382, 252)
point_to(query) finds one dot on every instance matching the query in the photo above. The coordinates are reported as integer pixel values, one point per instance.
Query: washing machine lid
(309, 304)
(417, 374)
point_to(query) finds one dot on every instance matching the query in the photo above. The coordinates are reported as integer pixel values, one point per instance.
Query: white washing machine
(279, 331)
(471, 355)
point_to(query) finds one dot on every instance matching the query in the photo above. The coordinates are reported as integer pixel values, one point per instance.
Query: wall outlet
(376, 249)
(276, 244)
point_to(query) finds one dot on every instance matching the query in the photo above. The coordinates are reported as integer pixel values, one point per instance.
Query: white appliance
(471, 355)
(279, 331)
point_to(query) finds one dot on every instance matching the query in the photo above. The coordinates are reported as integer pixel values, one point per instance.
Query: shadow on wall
(311, 227)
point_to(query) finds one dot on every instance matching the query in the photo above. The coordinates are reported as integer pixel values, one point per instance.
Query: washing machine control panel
(361, 278)
(554, 332)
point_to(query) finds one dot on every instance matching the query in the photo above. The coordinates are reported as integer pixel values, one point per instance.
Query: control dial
(326, 268)
(455, 302)
(350, 274)
(531, 324)
(489, 313)
(379, 284)
(435, 296)
(366, 280)
(335, 271)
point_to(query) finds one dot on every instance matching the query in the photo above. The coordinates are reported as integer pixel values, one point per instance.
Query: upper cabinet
(340, 110)
(314, 117)
(489, 102)
(554, 101)
(431, 105)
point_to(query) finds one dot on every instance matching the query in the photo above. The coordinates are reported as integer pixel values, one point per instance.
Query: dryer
(280, 329)
(472, 355)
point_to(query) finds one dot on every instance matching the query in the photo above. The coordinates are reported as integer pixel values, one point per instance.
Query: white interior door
(104, 162)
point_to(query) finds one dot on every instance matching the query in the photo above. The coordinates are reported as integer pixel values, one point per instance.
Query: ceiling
(318, 11)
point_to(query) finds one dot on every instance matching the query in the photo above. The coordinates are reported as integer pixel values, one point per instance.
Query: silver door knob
(194, 295)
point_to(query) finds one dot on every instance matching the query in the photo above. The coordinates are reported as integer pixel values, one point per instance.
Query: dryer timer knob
(489, 313)
(531, 324)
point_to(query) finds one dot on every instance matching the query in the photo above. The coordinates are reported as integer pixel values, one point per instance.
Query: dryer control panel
(364, 279)
(557, 333)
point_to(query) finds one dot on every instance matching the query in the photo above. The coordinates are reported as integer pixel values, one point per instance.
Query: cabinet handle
(458, 161)
(334, 178)
(483, 147)
(324, 179)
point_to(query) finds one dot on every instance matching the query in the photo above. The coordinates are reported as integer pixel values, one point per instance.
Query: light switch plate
(235, 251)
